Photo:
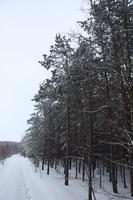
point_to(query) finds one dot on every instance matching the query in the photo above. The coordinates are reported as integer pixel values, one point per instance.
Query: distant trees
(7, 149)
(83, 114)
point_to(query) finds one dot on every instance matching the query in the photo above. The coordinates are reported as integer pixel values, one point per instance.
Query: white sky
(27, 29)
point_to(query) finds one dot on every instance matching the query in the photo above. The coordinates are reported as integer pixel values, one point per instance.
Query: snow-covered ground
(19, 181)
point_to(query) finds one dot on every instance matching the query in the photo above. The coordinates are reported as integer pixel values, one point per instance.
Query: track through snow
(18, 181)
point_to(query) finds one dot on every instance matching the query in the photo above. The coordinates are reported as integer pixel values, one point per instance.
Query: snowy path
(18, 181)
(13, 185)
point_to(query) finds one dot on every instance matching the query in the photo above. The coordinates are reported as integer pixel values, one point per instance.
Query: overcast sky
(27, 29)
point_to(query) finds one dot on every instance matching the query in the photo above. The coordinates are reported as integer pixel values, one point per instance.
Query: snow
(20, 181)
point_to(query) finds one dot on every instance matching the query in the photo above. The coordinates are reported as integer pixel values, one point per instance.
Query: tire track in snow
(27, 192)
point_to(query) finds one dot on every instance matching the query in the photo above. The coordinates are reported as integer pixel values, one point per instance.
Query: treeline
(7, 149)
(84, 113)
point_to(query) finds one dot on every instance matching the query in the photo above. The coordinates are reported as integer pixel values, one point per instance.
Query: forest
(8, 149)
(83, 116)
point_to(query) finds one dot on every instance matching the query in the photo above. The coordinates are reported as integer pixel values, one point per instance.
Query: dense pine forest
(83, 117)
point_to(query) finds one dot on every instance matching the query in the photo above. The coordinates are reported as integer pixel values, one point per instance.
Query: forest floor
(20, 181)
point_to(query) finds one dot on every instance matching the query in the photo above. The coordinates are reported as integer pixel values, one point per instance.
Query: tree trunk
(49, 143)
(67, 147)
(108, 129)
(90, 146)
